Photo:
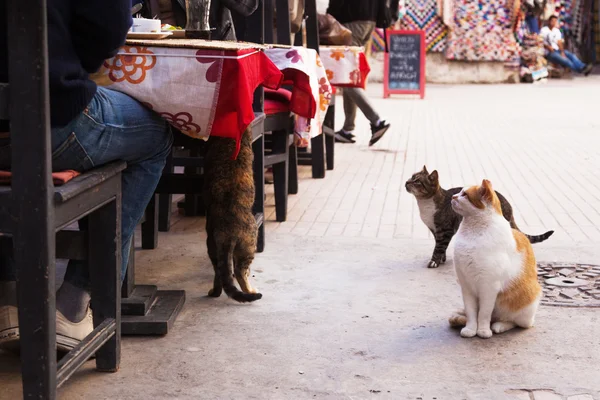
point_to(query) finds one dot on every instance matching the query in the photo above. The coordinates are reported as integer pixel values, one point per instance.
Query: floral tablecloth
(311, 91)
(202, 88)
(345, 66)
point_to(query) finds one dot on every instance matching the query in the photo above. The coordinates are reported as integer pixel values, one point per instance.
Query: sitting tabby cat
(230, 223)
(437, 214)
(495, 266)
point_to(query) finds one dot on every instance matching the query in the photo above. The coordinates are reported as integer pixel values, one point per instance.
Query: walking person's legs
(356, 97)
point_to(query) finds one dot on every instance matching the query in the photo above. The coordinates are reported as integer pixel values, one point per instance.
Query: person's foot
(343, 137)
(9, 328)
(377, 132)
(9, 316)
(69, 334)
(587, 70)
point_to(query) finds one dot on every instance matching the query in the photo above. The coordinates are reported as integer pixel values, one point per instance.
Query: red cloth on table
(239, 79)
(302, 102)
(59, 178)
(277, 101)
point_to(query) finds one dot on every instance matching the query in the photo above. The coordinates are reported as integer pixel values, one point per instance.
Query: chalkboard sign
(405, 63)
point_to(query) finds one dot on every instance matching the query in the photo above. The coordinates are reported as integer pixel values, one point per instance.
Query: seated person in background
(221, 19)
(555, 49)
(91, 126)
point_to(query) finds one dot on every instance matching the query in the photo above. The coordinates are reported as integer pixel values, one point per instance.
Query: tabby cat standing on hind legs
(437, 214)
(230, 223)
(495, 266)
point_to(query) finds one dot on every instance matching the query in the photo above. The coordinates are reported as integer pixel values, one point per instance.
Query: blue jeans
(532, 23)
(569, 61)
(113, 127)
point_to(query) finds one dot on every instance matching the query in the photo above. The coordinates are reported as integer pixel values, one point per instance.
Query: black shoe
(343, 137)
(378, 131)
(587, 70)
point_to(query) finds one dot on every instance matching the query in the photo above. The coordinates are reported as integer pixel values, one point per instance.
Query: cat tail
(226, 275)
(458, 319)
(539, 238)
(532, 238)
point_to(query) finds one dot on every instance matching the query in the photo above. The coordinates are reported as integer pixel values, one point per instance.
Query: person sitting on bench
(555, 49)
(91, 126)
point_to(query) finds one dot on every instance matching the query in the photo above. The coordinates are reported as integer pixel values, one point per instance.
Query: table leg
(329, 132)
(258, 148)
(318, 156)
(146, 310)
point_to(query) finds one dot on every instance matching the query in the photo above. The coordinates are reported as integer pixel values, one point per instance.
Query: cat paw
(500, 327)
(214, 293)
(432, 264)
(467, 332)
(484, 333)
(444, 259)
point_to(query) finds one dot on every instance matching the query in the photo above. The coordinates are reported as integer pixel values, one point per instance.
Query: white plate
(148, 35)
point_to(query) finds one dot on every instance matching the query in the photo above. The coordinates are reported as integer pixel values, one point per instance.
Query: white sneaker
(69, 334)
(9, 327)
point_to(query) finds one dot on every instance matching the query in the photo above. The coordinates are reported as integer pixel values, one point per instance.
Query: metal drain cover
(570, 284)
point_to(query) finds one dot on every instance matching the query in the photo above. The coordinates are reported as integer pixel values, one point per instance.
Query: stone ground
(349, 309)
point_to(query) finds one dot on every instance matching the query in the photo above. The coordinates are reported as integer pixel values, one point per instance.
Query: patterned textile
(483, 32)
(310, 102)
(202, 88)
(345, 66)
(576, 23)
(377, 41)
(585, 40)
(423, 15)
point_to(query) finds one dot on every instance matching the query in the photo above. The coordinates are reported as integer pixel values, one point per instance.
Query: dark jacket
(354, 10)
(81, 35)
(362, 10)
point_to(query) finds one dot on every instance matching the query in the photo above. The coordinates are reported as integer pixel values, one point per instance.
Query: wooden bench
(32, 211)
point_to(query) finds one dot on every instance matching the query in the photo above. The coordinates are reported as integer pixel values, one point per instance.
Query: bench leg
(293, 169)
(104, 250)
(191, 199)
(258, 148)
(165, 200)
(280, 174)
(318, 156)
(150, 225)
(36, 275)
(129, 280)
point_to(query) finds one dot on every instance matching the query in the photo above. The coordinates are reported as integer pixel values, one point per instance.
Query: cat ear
(424, 169)
(433, 176)
(486, 190)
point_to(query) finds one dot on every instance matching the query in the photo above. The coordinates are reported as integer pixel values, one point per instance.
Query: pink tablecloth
(310, 102)
(202, 88)
(346, 66)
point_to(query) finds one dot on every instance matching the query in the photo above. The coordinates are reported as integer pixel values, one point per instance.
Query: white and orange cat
(495, 265)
